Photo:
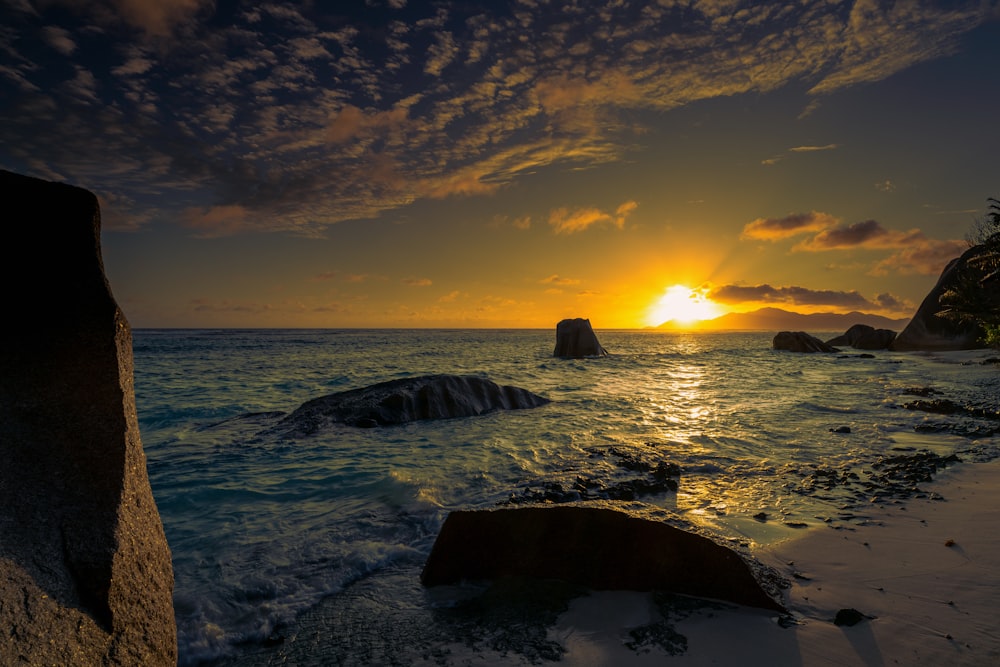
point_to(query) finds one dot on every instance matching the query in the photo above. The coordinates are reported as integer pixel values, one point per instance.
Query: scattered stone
(943, 406)
(921, 391)
(949, 543)
(660, 478)
(849, 617)
(760, 516)
(888, 478)
(841, 429)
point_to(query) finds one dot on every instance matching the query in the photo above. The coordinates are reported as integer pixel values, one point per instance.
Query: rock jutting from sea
(575, 338)
(85, 567)
(406, 400)
(864, 337)
(799, 341)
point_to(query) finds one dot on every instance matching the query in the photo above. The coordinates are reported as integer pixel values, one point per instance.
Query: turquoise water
(263, 529)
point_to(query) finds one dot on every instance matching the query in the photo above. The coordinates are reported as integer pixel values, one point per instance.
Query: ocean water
(270, 534)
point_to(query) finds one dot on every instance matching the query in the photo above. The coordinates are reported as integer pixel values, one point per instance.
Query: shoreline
(925, 573)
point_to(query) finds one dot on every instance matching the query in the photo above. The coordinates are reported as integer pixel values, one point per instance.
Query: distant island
(776, 319)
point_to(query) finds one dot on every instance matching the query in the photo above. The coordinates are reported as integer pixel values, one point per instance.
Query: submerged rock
(406, 400)
(864, 337)
(85, 570)
(799, 341)
(595, 547)
(575, 338)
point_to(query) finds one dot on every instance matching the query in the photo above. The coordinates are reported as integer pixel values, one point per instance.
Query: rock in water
(575, 338)
(798, 341)
(865, 337)
(928, 330)
(595, 547)
(406, 400)
(85, 571)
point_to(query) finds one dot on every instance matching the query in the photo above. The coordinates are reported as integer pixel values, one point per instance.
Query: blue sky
(508, 164)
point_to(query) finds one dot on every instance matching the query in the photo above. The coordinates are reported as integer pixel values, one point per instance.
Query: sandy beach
(924, 573)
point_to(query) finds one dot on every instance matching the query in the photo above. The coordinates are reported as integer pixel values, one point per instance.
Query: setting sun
(683, 305)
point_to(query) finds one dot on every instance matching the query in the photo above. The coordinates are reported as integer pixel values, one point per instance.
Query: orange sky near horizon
(413, 164)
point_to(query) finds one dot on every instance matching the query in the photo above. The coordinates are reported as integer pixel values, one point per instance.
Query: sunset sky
(508, 164)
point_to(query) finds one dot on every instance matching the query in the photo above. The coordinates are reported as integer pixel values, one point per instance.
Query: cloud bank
(915, 253)
(242, 117)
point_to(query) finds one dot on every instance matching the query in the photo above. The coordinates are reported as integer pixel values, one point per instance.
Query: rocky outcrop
(85, 571)
(864, 337)
(929, 329)
(407, 400)
(595, 547)
(575, 338)
(799, 341)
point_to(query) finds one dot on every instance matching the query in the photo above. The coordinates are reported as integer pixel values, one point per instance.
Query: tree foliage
(974, 297)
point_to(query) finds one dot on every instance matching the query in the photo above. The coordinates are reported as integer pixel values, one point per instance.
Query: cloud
(773, 229)
(215, 221)
(794, 295)
(915, 252)
(304, 119)
(351, 123)
(891, 302)
(797, 149)
(624, 211)
(566, 221)
(227, 306)
(59, 39)
(417, 282)
(812, 149)
(156, 18)
(866, 234)
(928, 258)
(555, 279)
(120, 213)
(562, 92)
(440, 54)
(159, 17)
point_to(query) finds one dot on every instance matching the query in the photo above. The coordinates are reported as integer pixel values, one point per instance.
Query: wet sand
(924, 573)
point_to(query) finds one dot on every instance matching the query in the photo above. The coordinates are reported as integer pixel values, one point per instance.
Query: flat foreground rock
(599, 548)
(85, 571)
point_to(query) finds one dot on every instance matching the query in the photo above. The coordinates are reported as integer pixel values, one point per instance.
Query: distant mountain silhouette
(776, 319)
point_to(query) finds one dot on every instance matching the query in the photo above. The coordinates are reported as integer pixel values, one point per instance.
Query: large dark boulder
(595, 547)
(929, 329)
(864, 337)
(85, 571)
(799, 341)
(575, 338)
(407, 400)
